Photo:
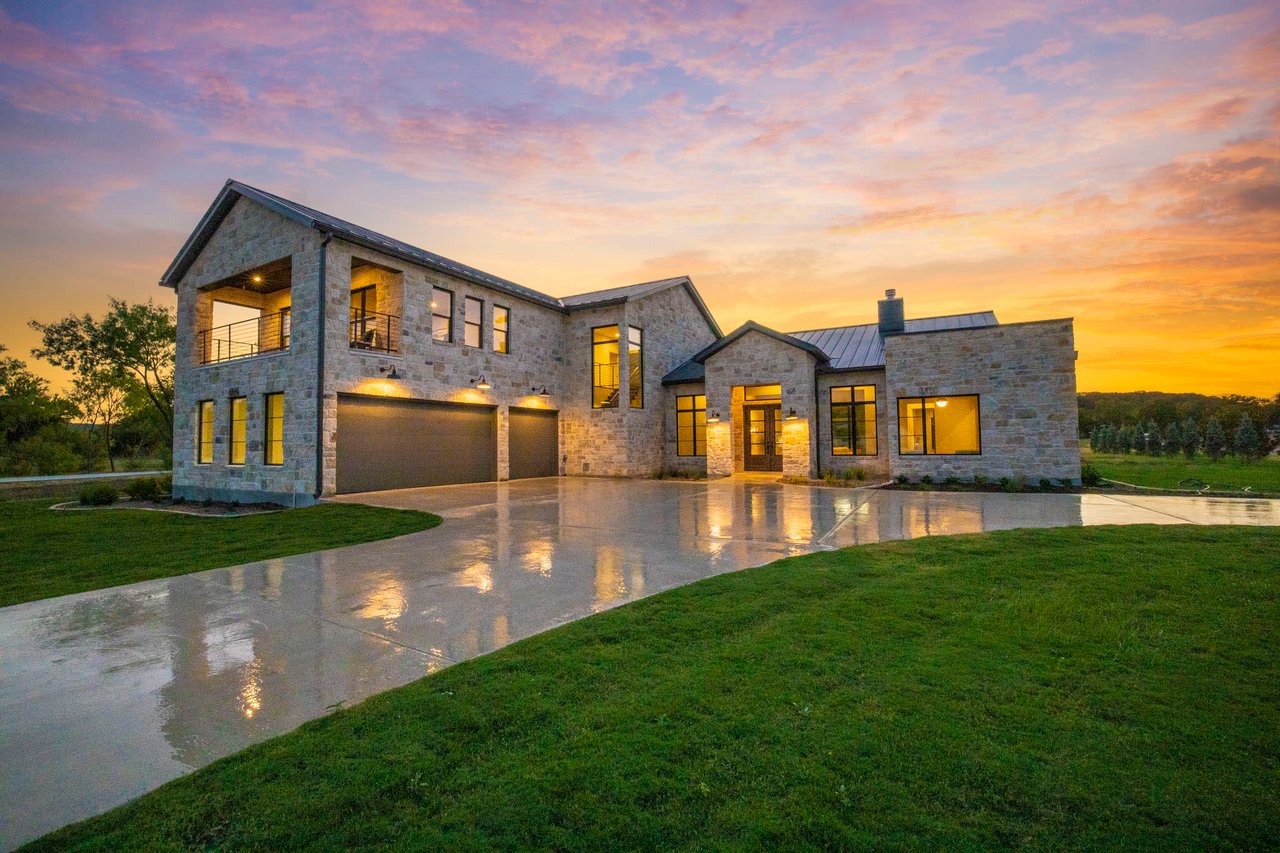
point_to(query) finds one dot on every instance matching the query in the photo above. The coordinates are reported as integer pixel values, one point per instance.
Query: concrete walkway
(105, 695)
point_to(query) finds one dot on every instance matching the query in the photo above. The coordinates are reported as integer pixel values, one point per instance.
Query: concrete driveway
(105, 695)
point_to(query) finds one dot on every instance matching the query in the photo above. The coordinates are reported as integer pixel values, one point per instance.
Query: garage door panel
(534, 442)
(397, 444)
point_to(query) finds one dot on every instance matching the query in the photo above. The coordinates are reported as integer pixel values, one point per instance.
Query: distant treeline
(1138, 408)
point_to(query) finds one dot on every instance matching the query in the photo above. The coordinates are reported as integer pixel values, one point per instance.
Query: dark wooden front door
(761, 435)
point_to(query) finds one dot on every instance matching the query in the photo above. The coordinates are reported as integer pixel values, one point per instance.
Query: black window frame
(693, 411)
(617, 382)
(506, 331)
(266, 428)
(852, 406)
(200, 422)
(231, 431)
(478, 324)
(363, 293)
(436, 314)
(631, 387)
(923, 399)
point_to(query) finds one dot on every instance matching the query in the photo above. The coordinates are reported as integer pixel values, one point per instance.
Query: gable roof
(626, 293)
(692, 369)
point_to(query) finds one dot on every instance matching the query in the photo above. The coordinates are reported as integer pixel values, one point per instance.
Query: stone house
(356, 362)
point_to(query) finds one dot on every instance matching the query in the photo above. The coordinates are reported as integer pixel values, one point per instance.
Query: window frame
(505, 331)
(617, 385)
(286, 326)
(201, 422)
(231, 430)
(267, 420)
(436, 314)
(853, 406)
(925, 442)
(631, 389)
(363, 293)
(478, 324)
(693, 412)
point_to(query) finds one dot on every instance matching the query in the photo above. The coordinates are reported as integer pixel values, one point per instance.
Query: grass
(1168, 472)
(1086, 688)
(45, 553)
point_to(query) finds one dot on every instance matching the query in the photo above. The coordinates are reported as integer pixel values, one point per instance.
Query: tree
(1172, 439)
(1151, 439)
(1246, 443)
(131, 343)
(26, 406)
(1190, 437)
(103, 399)
(1215, 440)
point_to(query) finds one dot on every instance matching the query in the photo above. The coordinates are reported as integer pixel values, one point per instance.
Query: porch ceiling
(268, 278)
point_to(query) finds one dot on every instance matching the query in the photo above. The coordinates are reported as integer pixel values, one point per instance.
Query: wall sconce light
(481, 383)
(541, 392)
(941, 404)
(391, 372)
(791, 415)
(713, 418)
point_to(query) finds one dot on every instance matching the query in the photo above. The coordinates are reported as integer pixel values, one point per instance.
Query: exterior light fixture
(257, 279)
(713, 418)
(791, 415)
(941, 404)
(391, 372)
(481, 383)
(543, 392)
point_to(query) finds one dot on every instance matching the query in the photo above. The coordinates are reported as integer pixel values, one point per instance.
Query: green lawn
(45, 553)
(1086, 688)
(1166, 472)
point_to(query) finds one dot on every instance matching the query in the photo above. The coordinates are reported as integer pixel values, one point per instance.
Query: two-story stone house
(370, 364)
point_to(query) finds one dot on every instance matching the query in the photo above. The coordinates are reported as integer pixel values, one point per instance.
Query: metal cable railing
(259, 336)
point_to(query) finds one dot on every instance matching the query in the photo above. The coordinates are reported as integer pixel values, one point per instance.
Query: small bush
(1008, 484)
(795, 480)
(99, 494)
(980, 479)
(829, 477)
(901, 479)
(858, 472)
(143, 488)
(166, 485)
(926, 480)
(1046, 483)
(953, 481)
(1089, 475)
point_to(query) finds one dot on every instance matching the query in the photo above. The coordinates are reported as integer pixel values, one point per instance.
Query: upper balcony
(263, 335)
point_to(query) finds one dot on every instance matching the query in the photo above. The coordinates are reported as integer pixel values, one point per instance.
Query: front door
(762, 430)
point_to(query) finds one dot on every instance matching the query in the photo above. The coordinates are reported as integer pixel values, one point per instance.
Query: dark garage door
(534, 436)
(397, 444)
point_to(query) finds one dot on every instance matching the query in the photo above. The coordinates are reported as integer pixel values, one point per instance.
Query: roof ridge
(907, 320)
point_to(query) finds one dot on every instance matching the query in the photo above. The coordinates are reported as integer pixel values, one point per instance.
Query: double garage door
(398, 444)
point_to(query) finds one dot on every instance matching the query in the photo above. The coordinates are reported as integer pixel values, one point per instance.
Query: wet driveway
(105, 695)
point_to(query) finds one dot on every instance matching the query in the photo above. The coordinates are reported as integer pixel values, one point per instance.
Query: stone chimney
(892, 317)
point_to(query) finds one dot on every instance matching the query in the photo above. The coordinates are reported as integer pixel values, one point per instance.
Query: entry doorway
(761, 437)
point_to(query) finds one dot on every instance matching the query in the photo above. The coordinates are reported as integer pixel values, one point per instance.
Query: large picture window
(273, 431)
(635, 366)
(691, 425)
(472, 321)
(942, 426)
(501, 327)
(239, 414)
(204, 432)
(441, 315)
(604, 367)
(853, 420)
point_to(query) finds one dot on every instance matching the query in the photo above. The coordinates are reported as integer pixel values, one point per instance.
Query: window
(441, 315)
(943, 426)
(238, 414)
(472, 322)
(753, 393)
(204, 432)
(273, 433)
(286, 327)
(501, 321)
(853, 420)
(364, 301)
(635, 362)
(604, 367)
(691, 425)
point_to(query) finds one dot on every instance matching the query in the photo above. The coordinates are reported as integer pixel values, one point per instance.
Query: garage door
(534, 436)
(397, 444)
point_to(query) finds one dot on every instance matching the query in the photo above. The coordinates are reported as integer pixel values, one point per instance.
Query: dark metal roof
(689, 372)
(618, 295)
(853, 347)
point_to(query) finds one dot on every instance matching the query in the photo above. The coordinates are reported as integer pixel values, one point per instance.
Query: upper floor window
(691, 425)
(204, 432)
(364, 301)
(604, 367)
(501, 326)
(853, 420)
(472, 321)
(635, 366)
(286, 326)
(441, 315)
(945, 426)
(239, 414)
(273, 430)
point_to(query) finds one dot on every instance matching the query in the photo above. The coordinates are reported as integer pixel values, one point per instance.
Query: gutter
(817, 427)
(320, 348)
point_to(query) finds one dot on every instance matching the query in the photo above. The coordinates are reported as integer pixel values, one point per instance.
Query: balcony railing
(259, 336)
(375, 332)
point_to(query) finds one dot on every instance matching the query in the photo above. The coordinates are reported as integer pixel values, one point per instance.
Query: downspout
(320, 348)
(817, 426)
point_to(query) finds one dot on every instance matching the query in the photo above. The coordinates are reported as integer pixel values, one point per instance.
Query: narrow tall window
(853, 420)
(204, 432)
(239, 412)
(441, 315)
(691, 425)
(501, 324)
(635, 366)
(286, 327)
(604, 367)
(472, 320)
(273, 432)
(942, 426)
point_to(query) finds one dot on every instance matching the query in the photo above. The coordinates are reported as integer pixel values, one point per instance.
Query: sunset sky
(1117, 163)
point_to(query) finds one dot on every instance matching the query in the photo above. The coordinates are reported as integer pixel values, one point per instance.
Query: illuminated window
(691, 425)
(604, 367)
(942, 426)
(273, 432)
(752, 393)
(204, 432)
(238, 413)
(635, 362)
(501, 323)
(441, 315)
(853, 420)
(286, 327)
(472, 321)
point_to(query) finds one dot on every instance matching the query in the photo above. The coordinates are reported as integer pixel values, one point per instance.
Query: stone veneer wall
(1025, 374)
(877, 467)
(758, 359)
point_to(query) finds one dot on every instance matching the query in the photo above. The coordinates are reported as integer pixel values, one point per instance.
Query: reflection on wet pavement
(105, 695)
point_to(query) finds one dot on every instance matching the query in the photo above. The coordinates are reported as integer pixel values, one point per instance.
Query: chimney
(892, 319)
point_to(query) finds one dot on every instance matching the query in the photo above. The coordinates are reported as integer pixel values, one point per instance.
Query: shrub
(953, 481)
(166, 485)
(1190, 436)
(1046, 483)
(143, 488)
(829, 477)
(795, 480)
(926, 480)
(1246, 443)
(980, 479)
(1215, 440)
(1008, 485)
(99, 494)
(901, 479)
(858, 472)
(1089, 475)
